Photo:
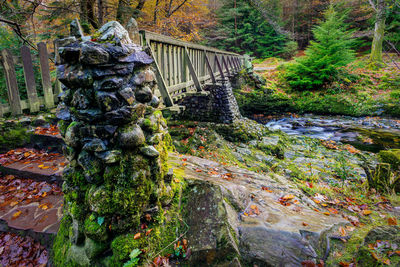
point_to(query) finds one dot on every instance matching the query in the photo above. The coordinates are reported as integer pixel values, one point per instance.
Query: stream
(368, 133)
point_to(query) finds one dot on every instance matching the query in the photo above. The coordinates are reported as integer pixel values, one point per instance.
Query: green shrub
(325, 56)
(289, 50)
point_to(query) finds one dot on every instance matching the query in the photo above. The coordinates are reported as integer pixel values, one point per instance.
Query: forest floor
(362, 92)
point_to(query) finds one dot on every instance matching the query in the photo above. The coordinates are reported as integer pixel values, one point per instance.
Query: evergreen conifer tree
(242, 29)
(324, 57)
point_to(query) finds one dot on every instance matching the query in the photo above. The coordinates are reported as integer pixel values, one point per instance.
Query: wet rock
(155, 102)
(113, 30)
(62, 112)
(92, 54)
(90, 164)
(95, 145)
(70, 54)
(117, 51)
(127, 94)
(209, 234)
(89, 115)
(74, 76)
(131, 137)
(77, 236)
(75, 29)
(140, 57)
(80, 100)
(109, 157)
(65, 96)
(72, 135)
(119, 116)
(107, 101)
(143, 95)
(109, 84)
(150, 151)
(117, 69)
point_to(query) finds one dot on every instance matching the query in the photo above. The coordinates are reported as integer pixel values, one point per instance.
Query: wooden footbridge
(181, 68)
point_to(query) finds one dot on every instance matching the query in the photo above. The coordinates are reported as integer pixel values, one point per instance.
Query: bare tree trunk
(155, 12)
(100, 12)
(377, 42)
(91, 15)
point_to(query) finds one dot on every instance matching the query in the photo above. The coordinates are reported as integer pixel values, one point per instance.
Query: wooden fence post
(221, 72)
(34, 104)
(192, 71)
(209, 67)
(226, 66)
(11, 79)
(168, 102)
(45, 71)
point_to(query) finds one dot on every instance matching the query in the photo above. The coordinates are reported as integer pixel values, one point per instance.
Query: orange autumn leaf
(392, 221)
(184, 164)
(198, 170)
(149, 231)
(305, 224)
(137, 236)
(366, 212)
(387, 262)
(176, 180)
(16, 215)
(288, 197)
(327, 213)
(342, 231)
(333, 211)
(317, 201)
(375, 256)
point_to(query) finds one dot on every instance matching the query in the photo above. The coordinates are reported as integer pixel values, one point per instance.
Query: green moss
(62, 244)
(95, 231)
(14, 137)
(390, 156)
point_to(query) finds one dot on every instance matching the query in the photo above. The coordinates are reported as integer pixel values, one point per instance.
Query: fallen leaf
(342, 231)
(392, 221)
(305, 224)
(288, 197)
(149, 231)
(366, 212)
(137, 236)
(333, 211)
(16, 215)
(327, 213)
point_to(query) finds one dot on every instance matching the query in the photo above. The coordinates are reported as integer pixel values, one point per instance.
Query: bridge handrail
(147, 35)
(183, 66)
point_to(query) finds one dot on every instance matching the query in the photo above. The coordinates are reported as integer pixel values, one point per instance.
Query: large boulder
(230, 216)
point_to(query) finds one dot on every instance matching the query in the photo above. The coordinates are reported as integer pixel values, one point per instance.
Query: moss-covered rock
(392, 157)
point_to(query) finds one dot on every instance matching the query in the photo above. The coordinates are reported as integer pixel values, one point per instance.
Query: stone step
(51, 143)
(32, 163)
(30, 208)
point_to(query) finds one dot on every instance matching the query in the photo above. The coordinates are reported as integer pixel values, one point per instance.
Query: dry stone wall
(116, 143)
(219, 105)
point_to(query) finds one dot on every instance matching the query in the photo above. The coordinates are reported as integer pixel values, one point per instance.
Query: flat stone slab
(26, 204)
(276, 224)
(43, 216)
(32, 163)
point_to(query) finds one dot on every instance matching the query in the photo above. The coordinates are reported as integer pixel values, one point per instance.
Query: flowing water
(368, 133)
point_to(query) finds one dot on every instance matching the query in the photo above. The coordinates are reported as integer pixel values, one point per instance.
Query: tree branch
(371, 2)
(176, 9)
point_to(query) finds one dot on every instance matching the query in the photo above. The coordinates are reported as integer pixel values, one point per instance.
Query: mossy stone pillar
(117, 145)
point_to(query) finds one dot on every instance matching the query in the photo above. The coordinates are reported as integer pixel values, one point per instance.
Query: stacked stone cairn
(117, 144)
